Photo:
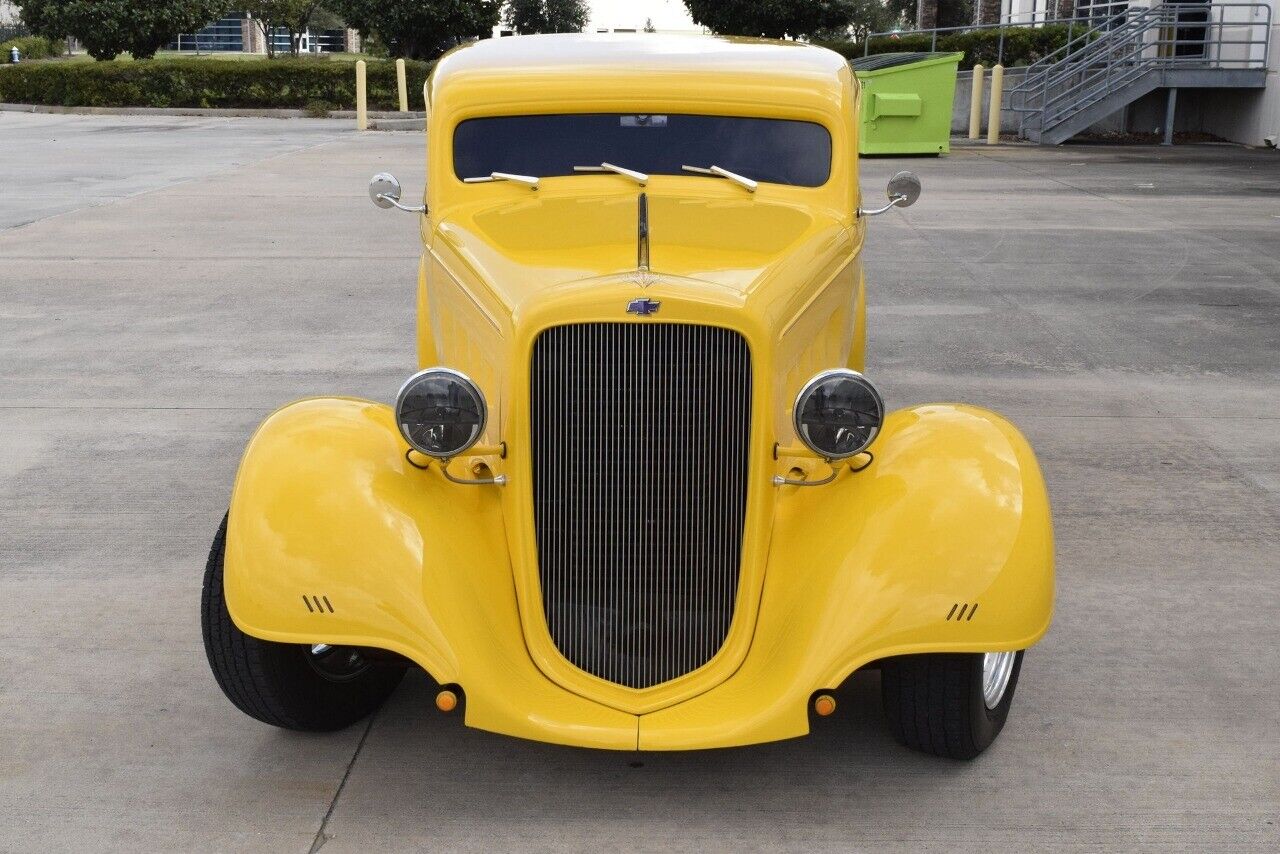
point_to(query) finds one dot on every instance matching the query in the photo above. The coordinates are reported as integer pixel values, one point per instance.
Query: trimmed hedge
(32, 47)
(1022, 45)
(260, 84)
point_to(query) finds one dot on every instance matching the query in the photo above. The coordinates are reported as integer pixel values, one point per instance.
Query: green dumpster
(906, 102)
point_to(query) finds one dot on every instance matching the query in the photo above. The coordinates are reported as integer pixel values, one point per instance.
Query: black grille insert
(640, 437)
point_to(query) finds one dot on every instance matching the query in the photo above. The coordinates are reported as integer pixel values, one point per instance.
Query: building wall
(1241, 115)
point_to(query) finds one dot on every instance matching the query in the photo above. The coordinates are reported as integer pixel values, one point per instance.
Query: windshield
(778, 151)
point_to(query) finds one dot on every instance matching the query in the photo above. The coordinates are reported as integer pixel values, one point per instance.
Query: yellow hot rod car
(641, 494)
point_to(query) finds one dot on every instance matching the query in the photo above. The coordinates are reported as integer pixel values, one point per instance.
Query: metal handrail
(1121, 49)
(1002, 27)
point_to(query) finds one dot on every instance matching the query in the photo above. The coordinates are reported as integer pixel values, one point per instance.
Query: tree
(110, 27)
(867, 16)
(291, 15)
(955, 13)
(903, 13)
(420, 29)
(944, 13)
(546, 16)
(771, 18)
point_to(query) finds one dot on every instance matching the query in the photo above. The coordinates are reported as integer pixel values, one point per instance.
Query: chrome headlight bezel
(807, 392)
(467, 385)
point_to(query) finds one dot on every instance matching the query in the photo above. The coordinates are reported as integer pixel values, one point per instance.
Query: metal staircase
(1119, 59)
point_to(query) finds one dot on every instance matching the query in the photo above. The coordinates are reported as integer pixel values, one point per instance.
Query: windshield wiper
(741, 180)
(639, 177)
(528, 180)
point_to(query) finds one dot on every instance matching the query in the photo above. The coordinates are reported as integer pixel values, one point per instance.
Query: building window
(224, 34)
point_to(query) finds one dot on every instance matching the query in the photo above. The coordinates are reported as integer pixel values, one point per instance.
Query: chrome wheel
(997, 667)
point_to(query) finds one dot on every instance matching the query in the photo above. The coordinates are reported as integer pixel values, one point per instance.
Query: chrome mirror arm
(895, 201)
(395, 203)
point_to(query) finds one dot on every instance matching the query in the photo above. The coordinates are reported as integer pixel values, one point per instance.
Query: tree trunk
(266, 28)
(926, 14)
(988, 11)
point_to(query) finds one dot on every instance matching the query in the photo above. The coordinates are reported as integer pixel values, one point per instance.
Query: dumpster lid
(882, 61)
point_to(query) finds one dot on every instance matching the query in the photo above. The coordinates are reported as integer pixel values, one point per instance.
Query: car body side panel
(326, 510)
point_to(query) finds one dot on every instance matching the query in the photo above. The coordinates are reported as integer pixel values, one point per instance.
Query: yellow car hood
(521, 249)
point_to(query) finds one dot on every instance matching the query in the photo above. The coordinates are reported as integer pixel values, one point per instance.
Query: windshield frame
(832, 138)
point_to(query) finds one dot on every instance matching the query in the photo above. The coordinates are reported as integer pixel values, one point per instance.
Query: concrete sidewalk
(176, 280)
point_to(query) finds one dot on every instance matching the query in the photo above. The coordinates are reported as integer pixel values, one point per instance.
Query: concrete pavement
(1121, 305)
(56, 163)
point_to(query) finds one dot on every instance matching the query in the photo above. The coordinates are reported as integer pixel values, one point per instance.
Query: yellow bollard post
(975, 103)
(997, 92)
(404, 87)
(362, 99)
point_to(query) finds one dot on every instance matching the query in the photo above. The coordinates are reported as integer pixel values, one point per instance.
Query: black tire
(934, 704)
(277, 683)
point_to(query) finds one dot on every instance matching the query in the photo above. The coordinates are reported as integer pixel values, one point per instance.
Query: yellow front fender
(334, 538)
(943, 544)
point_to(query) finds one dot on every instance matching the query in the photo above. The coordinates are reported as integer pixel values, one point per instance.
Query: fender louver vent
(317, 604)
(962, 611)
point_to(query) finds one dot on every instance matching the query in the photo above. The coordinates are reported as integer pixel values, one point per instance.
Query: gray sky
(666, 14)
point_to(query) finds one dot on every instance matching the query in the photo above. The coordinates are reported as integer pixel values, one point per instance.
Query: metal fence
(1014, 22)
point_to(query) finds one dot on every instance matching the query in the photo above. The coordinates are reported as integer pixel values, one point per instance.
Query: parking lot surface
(1121, 305)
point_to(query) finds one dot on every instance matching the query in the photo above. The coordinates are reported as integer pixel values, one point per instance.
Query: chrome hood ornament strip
(643, 277)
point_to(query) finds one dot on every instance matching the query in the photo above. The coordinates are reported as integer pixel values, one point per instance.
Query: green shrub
(190, 82)
(1022, 45)
(32, 47)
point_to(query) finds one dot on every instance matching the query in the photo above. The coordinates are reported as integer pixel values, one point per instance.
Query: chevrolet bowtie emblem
(643, 306)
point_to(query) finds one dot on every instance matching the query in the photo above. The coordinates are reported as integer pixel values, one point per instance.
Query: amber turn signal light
(824, 704)
(446, 701)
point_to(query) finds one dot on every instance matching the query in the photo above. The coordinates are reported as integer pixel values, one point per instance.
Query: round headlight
(440, 412)
(838, 414)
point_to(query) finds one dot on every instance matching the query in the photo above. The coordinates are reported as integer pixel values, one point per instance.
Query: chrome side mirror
(903, 191)
(384, 190)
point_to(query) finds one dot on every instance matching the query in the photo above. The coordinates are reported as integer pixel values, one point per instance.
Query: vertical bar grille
(640, 438)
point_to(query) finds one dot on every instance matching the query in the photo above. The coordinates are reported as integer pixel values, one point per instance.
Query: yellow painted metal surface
(952, 510)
